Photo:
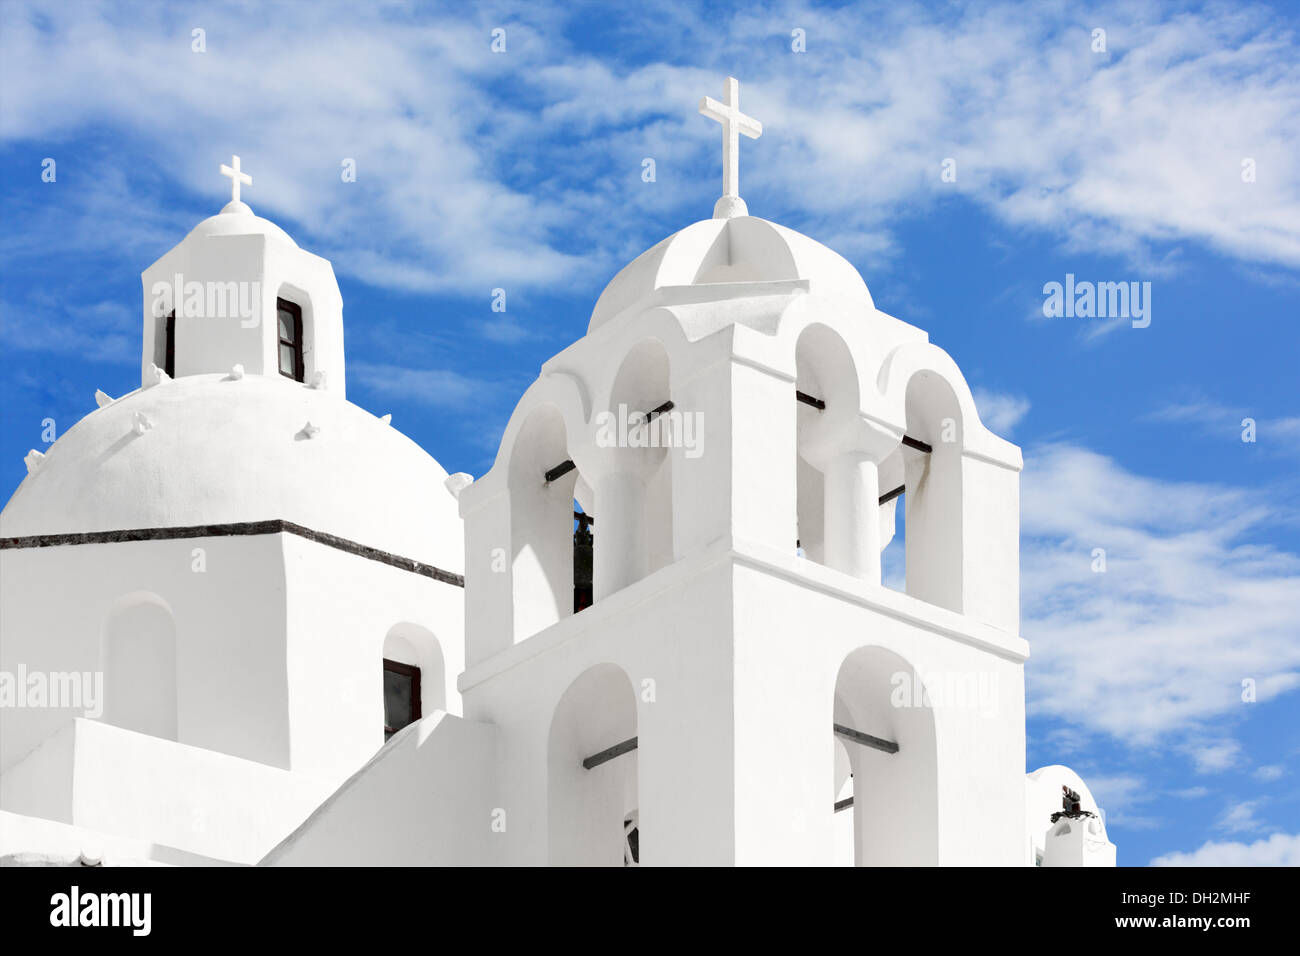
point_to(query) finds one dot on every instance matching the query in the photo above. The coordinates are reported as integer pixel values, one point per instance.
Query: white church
(244, 621)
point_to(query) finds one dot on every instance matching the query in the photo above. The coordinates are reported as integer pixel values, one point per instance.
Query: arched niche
(895, 795)
(541, 523)
(588, 807)
(140, 666)
(934, 525)
(417, 647)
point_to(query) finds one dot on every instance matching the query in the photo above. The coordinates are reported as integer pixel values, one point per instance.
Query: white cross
(734, 122)
(236, 177)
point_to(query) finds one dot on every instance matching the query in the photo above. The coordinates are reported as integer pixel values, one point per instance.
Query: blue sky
(522, 170)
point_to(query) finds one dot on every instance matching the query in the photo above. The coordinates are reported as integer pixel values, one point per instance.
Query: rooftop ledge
(895, 604)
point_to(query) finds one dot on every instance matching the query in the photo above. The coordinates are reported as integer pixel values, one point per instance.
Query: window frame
(297, 345)
(406, 670)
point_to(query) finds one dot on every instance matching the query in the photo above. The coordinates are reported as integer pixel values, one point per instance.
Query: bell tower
(739, 427)
(238, 291)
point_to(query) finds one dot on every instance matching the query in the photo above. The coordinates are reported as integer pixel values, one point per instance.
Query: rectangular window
(289, 320)
(401, 696)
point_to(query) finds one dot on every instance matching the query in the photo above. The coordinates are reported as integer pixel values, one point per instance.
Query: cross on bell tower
(236, 176)
(734, 123)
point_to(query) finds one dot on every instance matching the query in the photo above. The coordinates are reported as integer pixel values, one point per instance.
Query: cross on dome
(237, 176)
(734, 123)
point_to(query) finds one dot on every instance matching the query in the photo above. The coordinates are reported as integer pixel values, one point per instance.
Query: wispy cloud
(1281, 849)
(1188, 607)
(1240, 817)
(999, 412)
(96, 331)
(1122, 797)
(457, 187)
(442, 388)
(1279, 433)
(1213, 756)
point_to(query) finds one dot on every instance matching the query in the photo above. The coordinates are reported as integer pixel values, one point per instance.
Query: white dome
(220, 450)
(238, 219)
(740, 249)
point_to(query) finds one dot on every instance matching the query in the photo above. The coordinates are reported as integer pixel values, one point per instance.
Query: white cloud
(1274, 433)
(1280, 849)
(1121, 797)
(436, 387)
(1269, 773)
(433, 206)
(1000, 413)
(1240, 817)
(461, 188)
(1214, 757)
(1108, 151)
(1155, 648)
(98, 331)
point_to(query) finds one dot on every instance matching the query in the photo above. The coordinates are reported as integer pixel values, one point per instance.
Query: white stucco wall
(341, 609)
(118, 782)
(427, 799)
(230, 625)
(279, 640)
(743, 688)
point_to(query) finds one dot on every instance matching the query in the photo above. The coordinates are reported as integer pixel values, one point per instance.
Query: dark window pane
(169, 345)
(287, 361)
(286, 325)
(399, 699)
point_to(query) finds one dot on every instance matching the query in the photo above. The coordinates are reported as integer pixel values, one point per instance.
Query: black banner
(219, 904)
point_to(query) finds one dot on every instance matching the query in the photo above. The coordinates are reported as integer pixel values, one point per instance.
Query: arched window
(414, 677)
(289, 322)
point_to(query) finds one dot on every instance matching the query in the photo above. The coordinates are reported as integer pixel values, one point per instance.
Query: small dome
(216, 450)
(237, 219)
(740, 249)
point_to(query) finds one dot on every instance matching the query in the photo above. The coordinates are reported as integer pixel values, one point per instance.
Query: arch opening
(933, 505)
(544, 485)
(593, 805)
(894, 814)
(635, 501)
(827, 396)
